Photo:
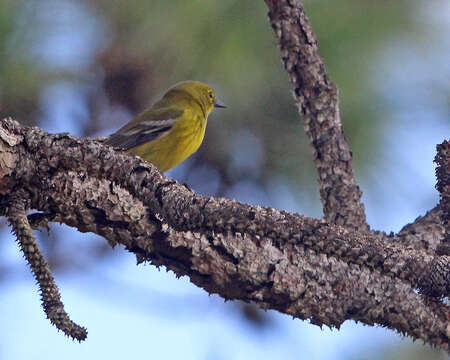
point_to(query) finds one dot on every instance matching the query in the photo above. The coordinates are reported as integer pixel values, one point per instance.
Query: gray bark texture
(325, 270)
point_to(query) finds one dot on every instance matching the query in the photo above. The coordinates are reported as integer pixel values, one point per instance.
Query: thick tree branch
(297, 265)
(318, 103)
(184, 210)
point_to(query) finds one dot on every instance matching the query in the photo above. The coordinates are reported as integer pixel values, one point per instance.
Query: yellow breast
(177, 145)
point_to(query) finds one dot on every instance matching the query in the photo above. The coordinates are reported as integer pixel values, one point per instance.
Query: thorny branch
(51, 299)
(425, 233)
(318, 104)
(326, 271)
(297, 265)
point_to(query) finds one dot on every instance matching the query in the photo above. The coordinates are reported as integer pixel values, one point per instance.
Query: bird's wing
(145, 127)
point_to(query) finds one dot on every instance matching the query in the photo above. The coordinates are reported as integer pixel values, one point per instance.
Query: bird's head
(198, 91)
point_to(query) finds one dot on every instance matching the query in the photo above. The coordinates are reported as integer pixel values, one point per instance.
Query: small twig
(51, 299)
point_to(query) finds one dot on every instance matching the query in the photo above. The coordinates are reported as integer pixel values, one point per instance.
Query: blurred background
(88, 66)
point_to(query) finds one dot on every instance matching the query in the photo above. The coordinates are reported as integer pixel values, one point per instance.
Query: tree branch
(436, 281)
(294, 264)
(326, 271)
(51, 299)
(317, 100)
(425, 233)
(184, 210)
(443, 186)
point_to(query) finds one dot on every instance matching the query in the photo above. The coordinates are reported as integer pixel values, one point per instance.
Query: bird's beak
(219, 104)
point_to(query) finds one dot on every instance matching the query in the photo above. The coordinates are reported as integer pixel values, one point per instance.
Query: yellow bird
(172, 129)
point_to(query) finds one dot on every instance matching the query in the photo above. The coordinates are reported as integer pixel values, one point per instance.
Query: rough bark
(436, 281)
(318, 103)
(51, 299)
(297, 265)
(443, 186)
(326, 270)
(425, 233)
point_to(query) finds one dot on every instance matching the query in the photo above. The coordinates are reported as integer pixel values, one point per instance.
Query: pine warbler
(172, 129)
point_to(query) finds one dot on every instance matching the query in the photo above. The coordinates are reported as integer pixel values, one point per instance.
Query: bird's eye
(211, 95)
